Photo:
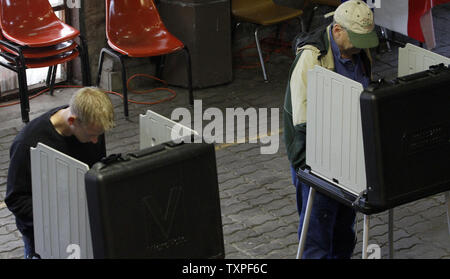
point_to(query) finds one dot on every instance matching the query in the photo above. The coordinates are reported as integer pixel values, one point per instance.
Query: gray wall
(93, 28)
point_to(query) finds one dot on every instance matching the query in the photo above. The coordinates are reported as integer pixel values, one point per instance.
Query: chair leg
(120, 59)
(52, 81)
(189, 75)
(124, 87)
(100, 66)
(84, 57)
(49, 75)
(261, 60)
(278, 32)
(23, 94)
(234, 28)
(160, 66)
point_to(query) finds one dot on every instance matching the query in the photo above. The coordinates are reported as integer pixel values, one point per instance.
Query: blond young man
(76, 130)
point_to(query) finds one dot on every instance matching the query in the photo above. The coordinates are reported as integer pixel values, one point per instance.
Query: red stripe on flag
(416, 9)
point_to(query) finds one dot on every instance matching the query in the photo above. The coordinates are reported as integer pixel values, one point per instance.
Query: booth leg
(365, 236)
(447, 195)
(391, 233)
(301, 244)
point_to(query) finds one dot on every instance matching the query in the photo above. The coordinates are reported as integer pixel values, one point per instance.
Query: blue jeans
(29, 248)
(331, 233)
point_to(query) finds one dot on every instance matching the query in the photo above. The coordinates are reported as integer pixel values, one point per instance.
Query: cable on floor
(171, 91)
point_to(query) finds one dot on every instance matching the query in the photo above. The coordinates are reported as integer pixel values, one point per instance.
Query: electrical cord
(171, 91)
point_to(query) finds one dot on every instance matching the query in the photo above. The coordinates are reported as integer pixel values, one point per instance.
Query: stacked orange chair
(32, 36)
(134, 29)
(262, 13)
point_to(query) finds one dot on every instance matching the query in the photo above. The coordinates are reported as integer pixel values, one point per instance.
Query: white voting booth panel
(413, 59)
(61, 220)
(155, 129)
(334, 147)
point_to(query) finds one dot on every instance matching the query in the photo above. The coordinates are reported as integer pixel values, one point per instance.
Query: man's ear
(71, 119)
(337, 27)
(337, 31)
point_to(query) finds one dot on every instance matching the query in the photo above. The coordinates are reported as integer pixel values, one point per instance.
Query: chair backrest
(17, 16)
(131, 18)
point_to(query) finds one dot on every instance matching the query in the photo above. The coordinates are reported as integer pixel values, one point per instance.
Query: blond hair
(92, 106)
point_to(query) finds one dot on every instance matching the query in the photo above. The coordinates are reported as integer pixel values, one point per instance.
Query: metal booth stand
(333, 190)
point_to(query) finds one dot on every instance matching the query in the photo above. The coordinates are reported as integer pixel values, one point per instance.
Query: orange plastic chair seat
(144, 46)
(45, 36)
(262, 12)
(33, 23)
(41, 52)
(51, 61)
(134, 28)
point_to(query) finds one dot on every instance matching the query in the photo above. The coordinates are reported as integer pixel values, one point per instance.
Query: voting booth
(155, 129)
(60, 214)
(381, 147)
(159, 202)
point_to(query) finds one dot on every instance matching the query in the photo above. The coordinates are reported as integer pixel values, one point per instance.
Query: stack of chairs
(32, 36)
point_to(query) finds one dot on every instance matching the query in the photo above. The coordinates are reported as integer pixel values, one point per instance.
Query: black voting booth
(406, 131)
(160, 202)
(406, 137)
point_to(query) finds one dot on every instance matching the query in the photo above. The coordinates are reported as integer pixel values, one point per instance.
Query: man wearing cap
(343, 47)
